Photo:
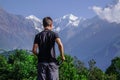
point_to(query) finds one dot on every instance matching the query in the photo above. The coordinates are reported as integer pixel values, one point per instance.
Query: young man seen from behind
(45, 43)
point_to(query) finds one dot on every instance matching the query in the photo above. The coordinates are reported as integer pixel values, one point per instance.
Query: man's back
(46, 44)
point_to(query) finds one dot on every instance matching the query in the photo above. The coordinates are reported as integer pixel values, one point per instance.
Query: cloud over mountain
(110, 13)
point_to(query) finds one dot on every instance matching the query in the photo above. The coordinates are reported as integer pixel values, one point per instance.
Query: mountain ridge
(92, 38)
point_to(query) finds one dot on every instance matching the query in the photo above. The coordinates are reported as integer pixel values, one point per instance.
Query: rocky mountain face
(15, 31)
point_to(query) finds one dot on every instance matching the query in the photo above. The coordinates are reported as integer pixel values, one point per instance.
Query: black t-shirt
(46, 44)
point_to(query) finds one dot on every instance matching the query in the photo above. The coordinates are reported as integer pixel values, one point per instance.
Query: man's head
(47, 23)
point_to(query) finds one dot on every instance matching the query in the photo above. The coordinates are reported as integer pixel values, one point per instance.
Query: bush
(20, 65)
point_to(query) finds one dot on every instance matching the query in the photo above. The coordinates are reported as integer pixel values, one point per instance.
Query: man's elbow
(60, 46)
(34, 51)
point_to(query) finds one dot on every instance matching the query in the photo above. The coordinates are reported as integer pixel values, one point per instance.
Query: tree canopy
(21, 65)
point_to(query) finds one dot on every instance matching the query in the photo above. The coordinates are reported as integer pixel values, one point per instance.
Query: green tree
(3, 68)
(24, 66)
(21, 65)
(114, 69)
(82, 71)
(94, 72)
(67, 69)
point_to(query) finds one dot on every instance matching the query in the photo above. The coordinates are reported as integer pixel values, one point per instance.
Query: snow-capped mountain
(37, 22)
(85, 38)
(95, 41)
(67, 21)
(91, 39)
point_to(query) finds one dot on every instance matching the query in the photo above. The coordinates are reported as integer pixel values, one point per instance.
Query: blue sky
(53, 8)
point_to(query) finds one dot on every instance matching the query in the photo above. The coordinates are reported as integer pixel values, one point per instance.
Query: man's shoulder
(56, 35)
(53, 32)
(39, 33)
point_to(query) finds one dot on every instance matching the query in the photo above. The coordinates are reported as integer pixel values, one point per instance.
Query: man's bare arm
(61, 49)
(34, 50)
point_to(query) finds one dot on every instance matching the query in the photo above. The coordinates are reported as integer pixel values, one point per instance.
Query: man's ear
(51, 25)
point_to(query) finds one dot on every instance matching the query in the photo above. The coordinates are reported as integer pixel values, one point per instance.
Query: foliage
(94, 72)
(114, 69)
(3, 68)
(21, 65)
(82, 71)
(67, 69)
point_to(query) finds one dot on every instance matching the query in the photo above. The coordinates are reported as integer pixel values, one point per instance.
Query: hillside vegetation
(21, 65)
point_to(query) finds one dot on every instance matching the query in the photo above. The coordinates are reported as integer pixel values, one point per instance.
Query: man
(45, 43)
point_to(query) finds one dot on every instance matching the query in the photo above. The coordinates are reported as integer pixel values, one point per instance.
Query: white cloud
(110, 13)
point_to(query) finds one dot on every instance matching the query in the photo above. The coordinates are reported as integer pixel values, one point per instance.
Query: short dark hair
(47, 21)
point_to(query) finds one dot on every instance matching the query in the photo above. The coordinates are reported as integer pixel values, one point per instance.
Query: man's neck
(47, 28)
